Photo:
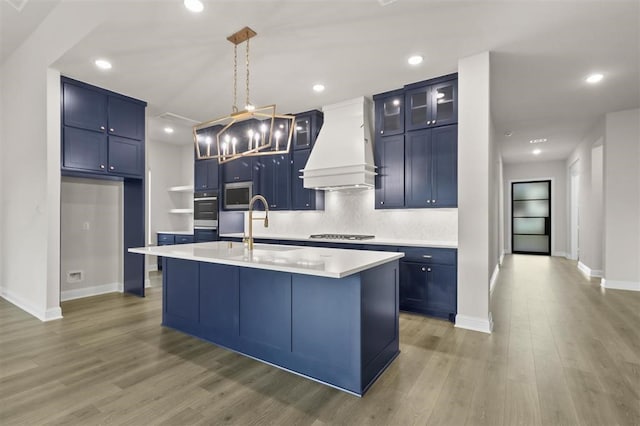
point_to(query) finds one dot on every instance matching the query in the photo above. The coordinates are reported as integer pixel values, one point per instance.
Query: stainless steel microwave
(237, 195)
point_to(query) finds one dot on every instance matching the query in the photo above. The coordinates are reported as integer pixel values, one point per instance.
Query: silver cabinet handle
(424, 269)
(433, 201)
(428, 201)
(433, 122)
(111, 168)
(428, 122)
(428, 269)
(111, 129)
(306, 205)
(427, 256)
(382, 132)
(381, 202)
(102, 166)
(101, 127)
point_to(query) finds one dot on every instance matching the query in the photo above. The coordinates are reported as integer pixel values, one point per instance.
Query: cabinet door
(84, 150)
(444, 161)
(126, 156)
(181, 289)
(126, 118)
(200, 176)
(441, 291)
(84, 108)
(302, 132)
(390, 179)
(418, 175)
(444, 103)
(390, 115)
(418, 105)
(238, 170)
(301, 198)
(281, 192)
(413, 286)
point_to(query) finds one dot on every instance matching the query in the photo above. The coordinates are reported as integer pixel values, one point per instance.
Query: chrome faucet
(255, 198)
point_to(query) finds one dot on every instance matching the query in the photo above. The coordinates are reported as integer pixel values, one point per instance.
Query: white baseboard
(559, 254)
(484, 325)
(494, 278)
(620, 285)
(26, 305)
(90, 291)
(147, 283)
(588, 271)
(502, 257)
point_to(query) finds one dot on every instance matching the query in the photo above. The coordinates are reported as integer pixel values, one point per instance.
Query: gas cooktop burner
(342, 236)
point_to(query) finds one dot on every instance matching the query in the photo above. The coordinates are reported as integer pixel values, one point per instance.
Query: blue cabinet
(431, 167)
(432, 103)
(389, 157)
(103, 132)
(238, 170)
(206, 175)
(389, 110)
(171, 239)
(307, 127)
(301, 197)
(428, 281)
(205, 235)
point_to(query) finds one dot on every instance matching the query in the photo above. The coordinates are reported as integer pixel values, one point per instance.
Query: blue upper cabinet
(389, 110)
(389, 157)
(431, 167)
(306, 129)
(301, 197)
(126, 118)
(272, 178)
(206, 175)
(238, 170)
(103, 132)
(430, 104)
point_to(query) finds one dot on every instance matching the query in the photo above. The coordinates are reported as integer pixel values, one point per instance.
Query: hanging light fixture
(248, 132)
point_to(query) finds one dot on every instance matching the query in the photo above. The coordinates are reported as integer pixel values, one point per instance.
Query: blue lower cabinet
(428, 282)
(205, 235)
(170, 239)
(343, 332)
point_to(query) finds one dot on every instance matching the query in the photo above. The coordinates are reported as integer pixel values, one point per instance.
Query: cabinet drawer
(430, 255)
(379, 247)
(184, 239)
(166, 239)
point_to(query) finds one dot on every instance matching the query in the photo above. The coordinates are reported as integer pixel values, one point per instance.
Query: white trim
(476, 324)
(620, 285)
(152, 267)
(79, 293)
(28, 307)
(494, 278)
(588, 271)
(147, 283)
(502, 257)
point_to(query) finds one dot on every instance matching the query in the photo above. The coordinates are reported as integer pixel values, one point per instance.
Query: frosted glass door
(531, 217)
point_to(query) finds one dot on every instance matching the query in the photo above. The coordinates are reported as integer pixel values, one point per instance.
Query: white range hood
(342, 157)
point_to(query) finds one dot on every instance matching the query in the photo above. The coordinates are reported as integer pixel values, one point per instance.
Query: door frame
(509, 223)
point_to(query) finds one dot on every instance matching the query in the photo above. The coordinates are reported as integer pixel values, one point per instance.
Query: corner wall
(474, 181)
(622, 200)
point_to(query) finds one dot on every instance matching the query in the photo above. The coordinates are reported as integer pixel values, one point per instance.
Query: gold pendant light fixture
(248, 132)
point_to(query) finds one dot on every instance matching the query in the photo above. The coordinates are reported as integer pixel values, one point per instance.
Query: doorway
(531, 217)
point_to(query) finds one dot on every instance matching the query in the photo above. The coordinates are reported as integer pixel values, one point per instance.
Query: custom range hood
(342, 157)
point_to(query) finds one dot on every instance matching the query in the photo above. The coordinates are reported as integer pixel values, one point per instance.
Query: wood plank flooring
(563, 352)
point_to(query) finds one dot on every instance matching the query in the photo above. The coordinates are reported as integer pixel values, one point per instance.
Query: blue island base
(342, 332)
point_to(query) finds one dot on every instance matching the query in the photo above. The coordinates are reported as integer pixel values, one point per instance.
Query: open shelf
(181, 211)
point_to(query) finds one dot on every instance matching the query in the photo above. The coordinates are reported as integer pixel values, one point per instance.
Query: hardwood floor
(563, 352)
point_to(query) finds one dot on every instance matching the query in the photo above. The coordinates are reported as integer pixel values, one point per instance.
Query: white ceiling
(181, 62)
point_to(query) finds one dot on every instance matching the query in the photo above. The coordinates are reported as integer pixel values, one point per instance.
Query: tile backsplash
(353, 213)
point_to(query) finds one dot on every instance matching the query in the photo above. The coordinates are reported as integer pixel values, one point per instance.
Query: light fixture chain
(235, 78)
(247, 103)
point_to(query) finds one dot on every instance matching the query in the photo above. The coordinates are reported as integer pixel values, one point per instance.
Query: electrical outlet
(75, 276)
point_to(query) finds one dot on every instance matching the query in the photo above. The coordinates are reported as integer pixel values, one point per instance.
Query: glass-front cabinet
(390, 113)
(306, 129)
(431, 105)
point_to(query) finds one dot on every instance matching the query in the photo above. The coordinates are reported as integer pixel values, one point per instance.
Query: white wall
(621, 200)
(91, 240)
(30, 143)
(474, 180)
(354, 213)
(496, 216)
(589, 203)
(544, 170)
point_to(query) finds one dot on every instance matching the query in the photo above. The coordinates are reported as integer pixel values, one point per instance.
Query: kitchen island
(327, 314)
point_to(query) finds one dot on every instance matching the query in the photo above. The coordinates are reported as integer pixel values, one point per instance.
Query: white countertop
(373, 241)
(322, 262)
(175, 232)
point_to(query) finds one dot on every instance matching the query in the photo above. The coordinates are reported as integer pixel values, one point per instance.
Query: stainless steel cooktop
(342, 236)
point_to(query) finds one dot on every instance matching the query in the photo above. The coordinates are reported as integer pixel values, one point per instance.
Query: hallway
(563, 352)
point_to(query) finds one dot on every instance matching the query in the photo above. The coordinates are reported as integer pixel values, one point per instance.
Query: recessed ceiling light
(541, 140)
(194, 6)
(103, 64)
(318, 88)
(415, 60)
(536, 152)
(168, 130)
(594, 78)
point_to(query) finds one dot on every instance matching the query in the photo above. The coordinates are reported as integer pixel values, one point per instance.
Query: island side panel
(181, 292)
(219, 301)
(380, 320)
(326, 329)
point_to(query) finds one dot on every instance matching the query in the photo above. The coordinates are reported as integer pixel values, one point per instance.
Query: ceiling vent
(177, 119)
